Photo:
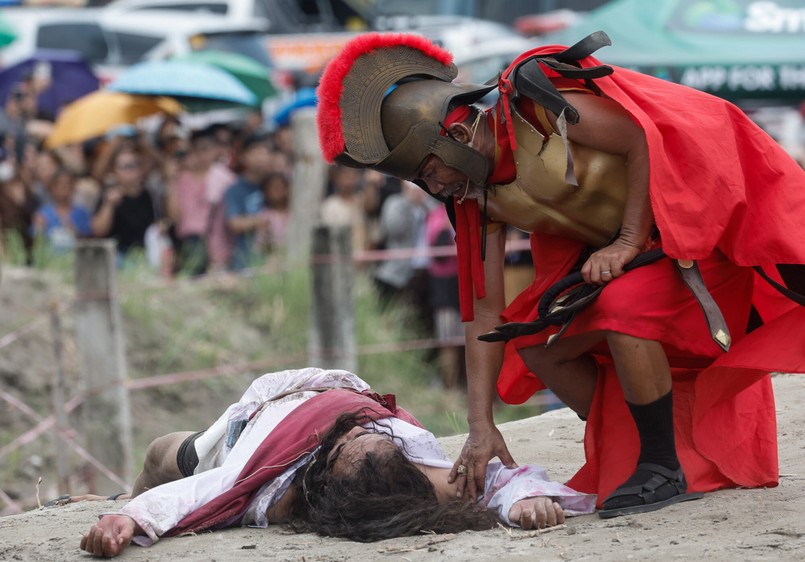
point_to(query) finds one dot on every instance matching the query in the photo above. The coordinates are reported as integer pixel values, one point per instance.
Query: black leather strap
(528, 78)
(561, 302)
(585, 47)
(793, 295)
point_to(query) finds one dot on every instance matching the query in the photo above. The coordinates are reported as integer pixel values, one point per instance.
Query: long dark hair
(384, 496)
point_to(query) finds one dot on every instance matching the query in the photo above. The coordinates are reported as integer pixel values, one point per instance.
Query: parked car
(458, 34)
(112, 41)
(479, 65)
(277, 16)
(155, 34)
(58, 28)
(302, 35)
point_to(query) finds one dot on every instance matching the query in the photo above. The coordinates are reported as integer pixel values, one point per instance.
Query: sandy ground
(757, 524)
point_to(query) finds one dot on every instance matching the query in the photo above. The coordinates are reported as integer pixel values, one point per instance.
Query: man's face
(128, 168)
(46, 167)
(446, 181)
(346, 180)
(62, 188)
(351, 449)
(257, 158)
(206, 150)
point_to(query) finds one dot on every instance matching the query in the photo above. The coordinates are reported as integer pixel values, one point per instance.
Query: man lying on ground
(319, 451)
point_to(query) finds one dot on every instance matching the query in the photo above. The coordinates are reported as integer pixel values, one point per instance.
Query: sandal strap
(675, 475)
(626, 491)
(662, 475)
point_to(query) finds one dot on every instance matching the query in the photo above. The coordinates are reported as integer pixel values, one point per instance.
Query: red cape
(718, 182)
(708, 159)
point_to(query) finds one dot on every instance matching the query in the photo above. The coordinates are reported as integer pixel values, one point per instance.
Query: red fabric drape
(724, 193)
(723, 445)
(724, 416)
(470, 266)
(717, 179)
(724, 407)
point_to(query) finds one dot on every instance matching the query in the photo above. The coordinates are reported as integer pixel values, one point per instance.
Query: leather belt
(692, 276)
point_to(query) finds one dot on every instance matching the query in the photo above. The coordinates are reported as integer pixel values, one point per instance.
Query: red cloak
(724, 193)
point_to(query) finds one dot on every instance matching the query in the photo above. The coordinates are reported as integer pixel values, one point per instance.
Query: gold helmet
(382, 102)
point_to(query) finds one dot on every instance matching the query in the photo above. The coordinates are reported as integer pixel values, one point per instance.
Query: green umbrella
(7, 33)
(249, 72)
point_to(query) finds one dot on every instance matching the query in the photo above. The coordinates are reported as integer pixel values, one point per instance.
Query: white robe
(273, 396)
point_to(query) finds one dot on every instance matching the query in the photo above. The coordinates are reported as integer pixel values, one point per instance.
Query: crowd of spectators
(190, 200)
(216, 198)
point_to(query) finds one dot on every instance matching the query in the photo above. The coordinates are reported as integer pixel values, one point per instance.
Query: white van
(278, 16)
(111, 41)
(302, 35)
(57, 28)
(156, 34)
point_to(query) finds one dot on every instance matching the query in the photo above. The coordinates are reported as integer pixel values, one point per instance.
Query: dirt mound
(730, 525)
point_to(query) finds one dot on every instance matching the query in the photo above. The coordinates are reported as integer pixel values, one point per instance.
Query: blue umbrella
(70, 78)
(188, 82)
(305, 97)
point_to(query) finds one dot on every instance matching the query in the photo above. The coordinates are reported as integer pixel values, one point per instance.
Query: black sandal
(647, 492)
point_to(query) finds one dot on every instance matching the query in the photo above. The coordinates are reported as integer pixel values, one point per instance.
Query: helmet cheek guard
(381, 104)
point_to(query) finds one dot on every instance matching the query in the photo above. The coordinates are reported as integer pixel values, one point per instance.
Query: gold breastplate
(540, 200)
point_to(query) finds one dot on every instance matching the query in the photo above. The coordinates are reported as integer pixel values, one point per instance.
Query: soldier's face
(446, 181)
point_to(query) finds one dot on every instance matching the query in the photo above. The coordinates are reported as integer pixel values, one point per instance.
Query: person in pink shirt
(218, 179)
(272, 236)
(443, 285)
(193, 201)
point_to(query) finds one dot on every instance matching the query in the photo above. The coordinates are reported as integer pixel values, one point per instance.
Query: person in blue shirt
(60, 220)
(244, 200)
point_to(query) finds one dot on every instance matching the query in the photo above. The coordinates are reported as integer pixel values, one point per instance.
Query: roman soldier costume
(725, 198)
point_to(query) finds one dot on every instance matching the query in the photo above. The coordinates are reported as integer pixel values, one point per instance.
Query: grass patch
(226, 322)
(264, 318)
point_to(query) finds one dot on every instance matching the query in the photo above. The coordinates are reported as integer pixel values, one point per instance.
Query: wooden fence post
(308, 187)
(57, 396)
(332, 323)
(106, 414)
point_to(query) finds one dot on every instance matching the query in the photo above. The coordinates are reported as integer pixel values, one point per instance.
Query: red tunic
(724, 193)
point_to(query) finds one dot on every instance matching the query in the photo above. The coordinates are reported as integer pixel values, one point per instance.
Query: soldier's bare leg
(642, 367)
(567, 369)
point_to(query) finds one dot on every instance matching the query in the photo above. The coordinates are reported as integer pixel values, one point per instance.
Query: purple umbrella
(70, 78)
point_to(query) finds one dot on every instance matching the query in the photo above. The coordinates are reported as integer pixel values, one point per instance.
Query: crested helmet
(382, 103)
